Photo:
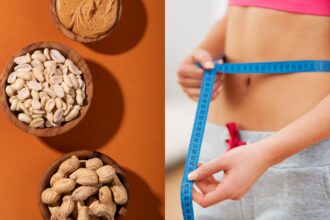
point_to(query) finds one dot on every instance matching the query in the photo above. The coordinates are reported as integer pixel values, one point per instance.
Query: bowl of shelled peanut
(84, 185)
(46, 89)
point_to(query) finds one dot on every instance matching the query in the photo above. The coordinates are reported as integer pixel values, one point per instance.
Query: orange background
(126, 119)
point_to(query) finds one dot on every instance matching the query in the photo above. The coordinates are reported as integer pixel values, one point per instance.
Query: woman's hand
(190, 76)
(242, 167)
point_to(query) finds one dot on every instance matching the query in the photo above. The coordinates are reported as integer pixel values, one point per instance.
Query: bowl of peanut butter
(86, 20)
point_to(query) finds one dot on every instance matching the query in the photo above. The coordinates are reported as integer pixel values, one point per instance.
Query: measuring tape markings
(196, 141)
(279, 67)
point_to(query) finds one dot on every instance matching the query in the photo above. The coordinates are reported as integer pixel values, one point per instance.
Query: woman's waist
(268, 102)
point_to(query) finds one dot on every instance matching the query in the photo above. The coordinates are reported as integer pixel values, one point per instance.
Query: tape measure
(280, 67)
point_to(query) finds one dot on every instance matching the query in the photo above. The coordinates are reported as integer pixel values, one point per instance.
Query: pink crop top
(312, 7)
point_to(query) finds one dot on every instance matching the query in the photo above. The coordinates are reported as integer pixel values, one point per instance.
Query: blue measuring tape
(280, 67)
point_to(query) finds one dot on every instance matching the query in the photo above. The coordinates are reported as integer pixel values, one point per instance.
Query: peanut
(50, 196)
(119, 194)
(64, 185)
(67, 207)
(94, 163)
(83, 192)
(84, 213)
(51, 81)
(105, 197)
(85, 177)
(99, 191)
(106, 173)
(101, 210)
(67, 167)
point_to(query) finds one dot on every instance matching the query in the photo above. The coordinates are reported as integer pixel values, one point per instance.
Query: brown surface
(125, 120)
(83, 155)
(70, 34)
(68, 53)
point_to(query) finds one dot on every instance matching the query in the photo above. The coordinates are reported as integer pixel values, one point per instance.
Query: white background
(187, 22)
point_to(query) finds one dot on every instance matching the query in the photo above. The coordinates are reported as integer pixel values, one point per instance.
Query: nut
(11, 77)
(59, 91)
(36, 123)
(38, 55)
(84, 213)
(105, 197)
(106, 173)
(119, 194)
(67, 167)
(24, 118)
(46, 53)
(50, 104)
(57, 56)
(85, 177)
(72, 115)
(73, 68)
(34, 85)
(101, 210)
(9, 91)
(83, 192)
(23, 59)
(67, 207)
(18, 84)
(64, 185)
(23, 94)
(94, 163)
(50, 196)
(53, 83)
(91, 199)
(24, 75)
(23, 68)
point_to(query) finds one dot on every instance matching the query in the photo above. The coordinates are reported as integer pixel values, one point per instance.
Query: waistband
(313, 156)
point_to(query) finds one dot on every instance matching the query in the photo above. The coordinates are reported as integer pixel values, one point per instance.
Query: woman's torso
(269, 102)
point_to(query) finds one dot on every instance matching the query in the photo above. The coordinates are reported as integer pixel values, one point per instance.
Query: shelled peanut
(45, 89)
(84, 190)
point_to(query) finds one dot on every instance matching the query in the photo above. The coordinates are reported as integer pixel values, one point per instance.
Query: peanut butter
(88, 18)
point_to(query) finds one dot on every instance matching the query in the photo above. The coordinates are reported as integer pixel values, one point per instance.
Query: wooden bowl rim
(82, 154)
(70, 34)
(65, 50)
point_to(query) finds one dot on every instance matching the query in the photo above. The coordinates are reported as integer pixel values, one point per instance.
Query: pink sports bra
(312, 7)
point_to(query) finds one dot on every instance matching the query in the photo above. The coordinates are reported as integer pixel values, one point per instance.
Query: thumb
(204, 58)
(208, 169)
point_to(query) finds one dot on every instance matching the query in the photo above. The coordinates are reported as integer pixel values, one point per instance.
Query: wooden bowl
(70, 34)
(68, 53)
(83, 154)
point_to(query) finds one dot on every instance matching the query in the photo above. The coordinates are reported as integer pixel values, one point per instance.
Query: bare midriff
(269, 102)
(88, 18)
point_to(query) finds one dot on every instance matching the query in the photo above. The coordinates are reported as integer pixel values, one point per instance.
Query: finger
(192, 92)
(190, 82)
(205, 186)
(220, 61)
(212, 180)
(196, 83)
(208, 169)
(204, 58)
(216, 92)
(210, 198)
(216, 86)
(190, 71)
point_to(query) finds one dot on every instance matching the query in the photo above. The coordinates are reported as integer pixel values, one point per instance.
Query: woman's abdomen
(269, 102)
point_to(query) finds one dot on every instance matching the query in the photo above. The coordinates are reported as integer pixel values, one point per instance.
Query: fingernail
(193, 175)
(209, 65)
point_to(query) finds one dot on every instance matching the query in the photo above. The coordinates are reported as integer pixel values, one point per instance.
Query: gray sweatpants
(296, 189)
